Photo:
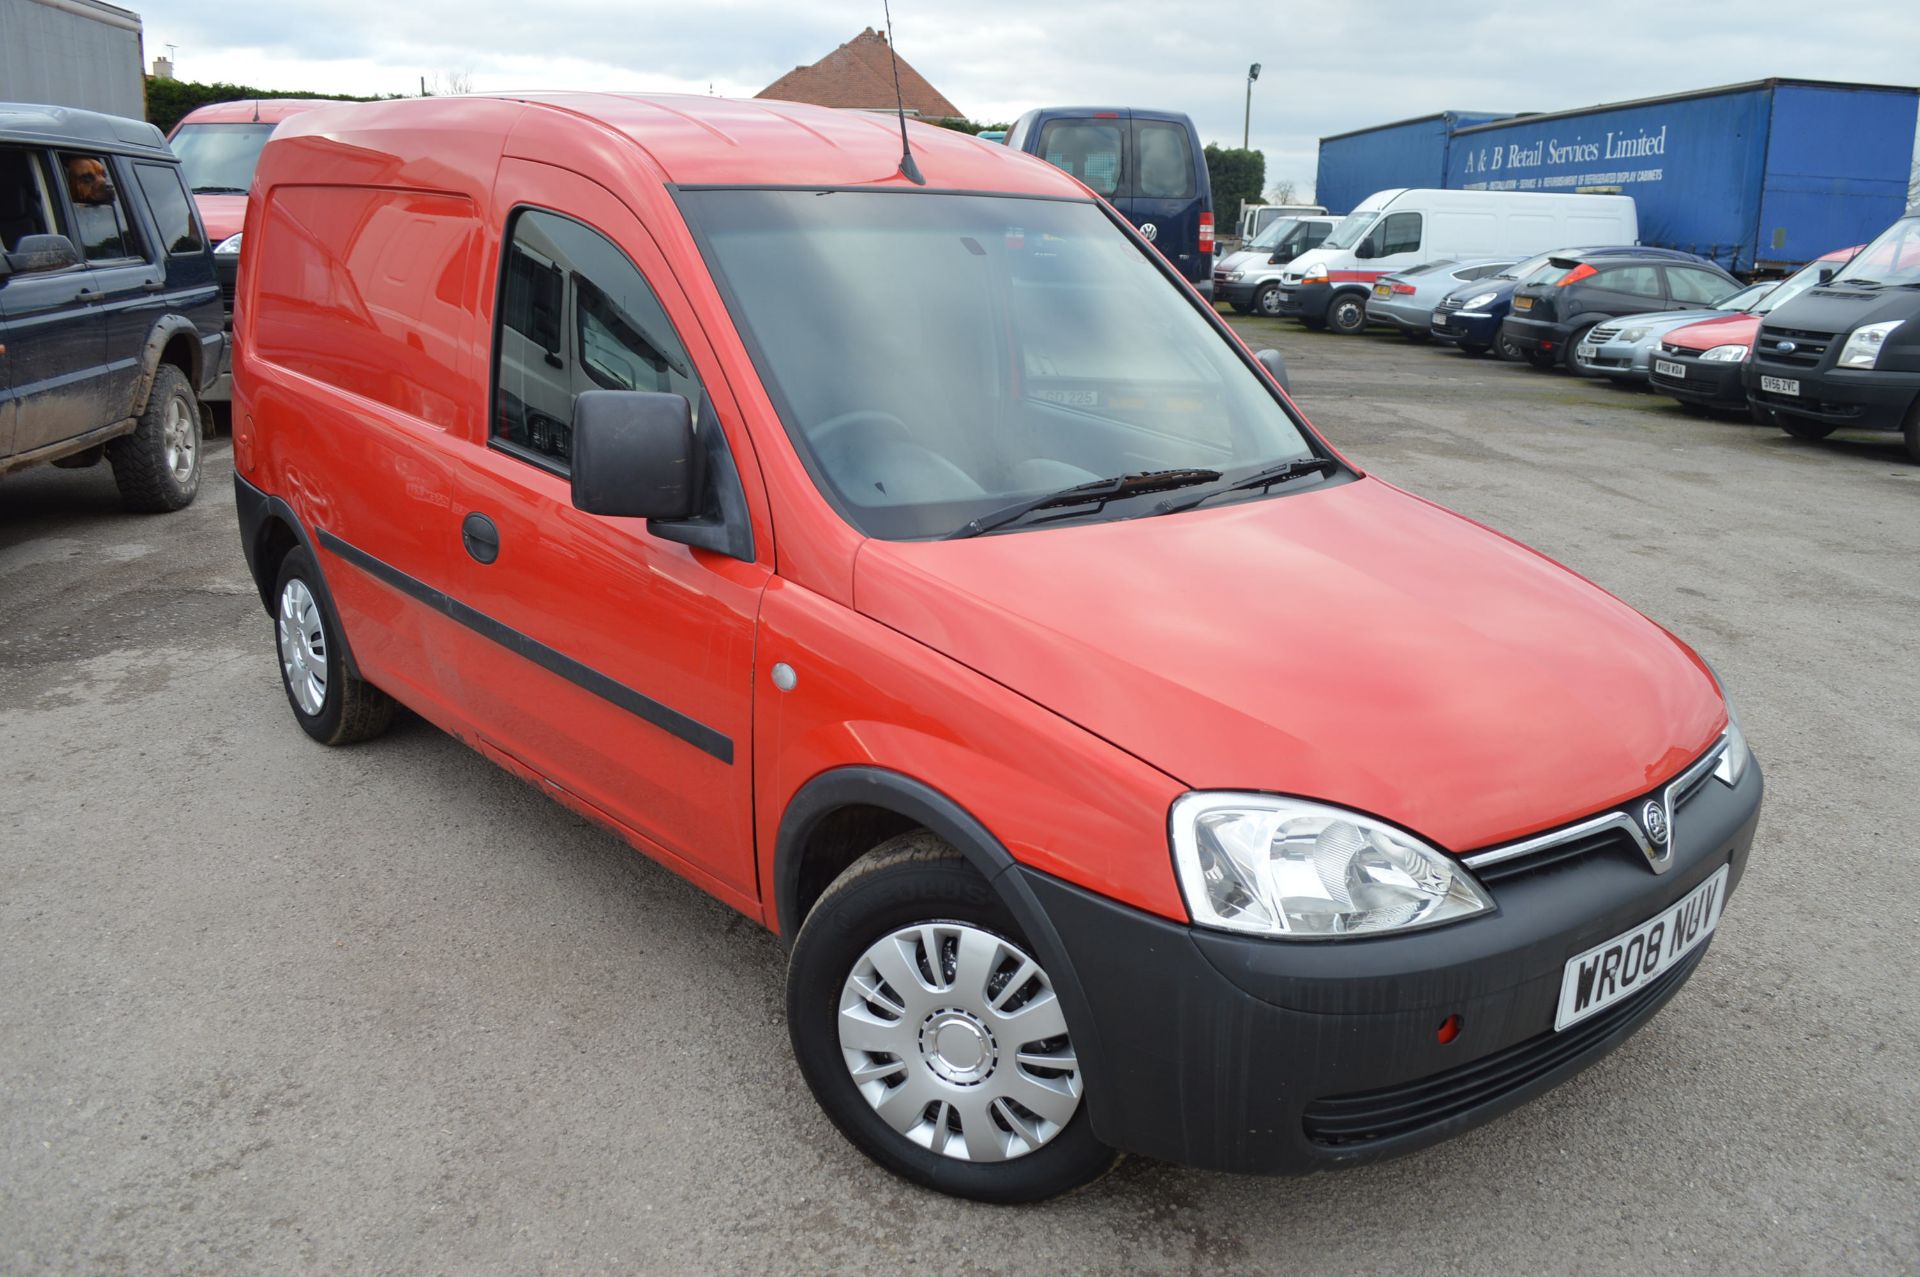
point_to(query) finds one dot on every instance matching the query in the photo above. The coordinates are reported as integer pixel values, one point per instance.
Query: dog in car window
(87, 180)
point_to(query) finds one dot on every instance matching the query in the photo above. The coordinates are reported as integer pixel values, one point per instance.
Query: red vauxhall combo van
(923, 568)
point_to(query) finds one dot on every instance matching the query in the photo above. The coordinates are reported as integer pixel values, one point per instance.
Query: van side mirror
(1276, 367)
(1364, 249)
(635, 456)
(35, 254)
(1827, 273)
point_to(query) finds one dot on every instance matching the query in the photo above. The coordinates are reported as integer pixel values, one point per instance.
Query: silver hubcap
(956, 1039)
(303, 647)
(179, 437)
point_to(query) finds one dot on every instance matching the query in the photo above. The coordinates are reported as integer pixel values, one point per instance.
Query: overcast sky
(1327, 67)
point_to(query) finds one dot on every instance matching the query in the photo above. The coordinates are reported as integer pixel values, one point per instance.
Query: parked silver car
(1620, 349)
(1405, 299)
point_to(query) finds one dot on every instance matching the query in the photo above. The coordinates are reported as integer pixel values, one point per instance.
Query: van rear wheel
(932, 1036)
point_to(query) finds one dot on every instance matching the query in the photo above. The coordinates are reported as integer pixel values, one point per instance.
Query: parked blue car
(1471, 317)
(1148, 164)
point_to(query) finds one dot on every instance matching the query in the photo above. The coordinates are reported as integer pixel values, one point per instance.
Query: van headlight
(1731, 353)
(1863, 344)
(228, 247)
(1478, 300)
(1314, 275)
(1298, 870)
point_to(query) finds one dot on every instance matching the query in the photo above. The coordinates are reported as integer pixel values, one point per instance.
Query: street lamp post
(1246, 124)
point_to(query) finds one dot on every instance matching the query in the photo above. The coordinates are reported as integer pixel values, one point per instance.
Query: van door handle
(481, 537)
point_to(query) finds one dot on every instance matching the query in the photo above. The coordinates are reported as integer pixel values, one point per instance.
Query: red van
(927, 572)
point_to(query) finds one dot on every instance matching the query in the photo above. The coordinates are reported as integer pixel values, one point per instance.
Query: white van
(1394, 229)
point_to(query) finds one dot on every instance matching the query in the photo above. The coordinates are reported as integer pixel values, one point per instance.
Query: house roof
(859, 76)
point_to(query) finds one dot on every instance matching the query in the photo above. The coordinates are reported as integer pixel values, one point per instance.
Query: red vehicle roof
(726, 141)
(252, 110)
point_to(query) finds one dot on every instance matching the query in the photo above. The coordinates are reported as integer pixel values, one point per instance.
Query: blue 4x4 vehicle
(110, 319)
(1148, 164)
(1471, 316)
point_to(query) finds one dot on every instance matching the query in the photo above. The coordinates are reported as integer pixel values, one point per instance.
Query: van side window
(1166, 160)
(102, 230)
(1092, 150)
(575, 314)
(27, 206)
(172, 210)
(1399, 233)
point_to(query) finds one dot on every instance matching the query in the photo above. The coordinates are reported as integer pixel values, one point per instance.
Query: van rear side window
(575, 314)
(1092, 150)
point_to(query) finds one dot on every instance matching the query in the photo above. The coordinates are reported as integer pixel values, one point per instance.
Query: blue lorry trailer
(1761, 177)
(1406, 153)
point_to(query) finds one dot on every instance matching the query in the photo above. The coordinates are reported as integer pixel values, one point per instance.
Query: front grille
(1448, 305)
(1603, 334)
(1343, 1121)
(1809, 346)
(1609, 842)
(1668, 348)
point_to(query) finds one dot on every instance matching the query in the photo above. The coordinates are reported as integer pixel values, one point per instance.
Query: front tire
(1347, 314)
(932, 1037)
(1508, 351)
(1267, 301)
(157, 467)
(331, 703)
(1801, 428)
(1574, 364)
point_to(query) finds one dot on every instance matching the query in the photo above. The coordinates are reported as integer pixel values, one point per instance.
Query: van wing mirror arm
(726, 526)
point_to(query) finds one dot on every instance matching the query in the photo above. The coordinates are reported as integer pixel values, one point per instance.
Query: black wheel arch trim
(257, 511)
(867, 786)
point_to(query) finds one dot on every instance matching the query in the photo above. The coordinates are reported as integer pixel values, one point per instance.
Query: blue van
(1148, 164)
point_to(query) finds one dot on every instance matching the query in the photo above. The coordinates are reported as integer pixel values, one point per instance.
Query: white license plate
(1603, 975)
(1667, 368)
(1780, 385)
(1584, 351)
(1439, 321)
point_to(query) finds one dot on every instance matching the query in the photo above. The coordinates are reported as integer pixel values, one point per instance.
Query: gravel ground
(265, 1007)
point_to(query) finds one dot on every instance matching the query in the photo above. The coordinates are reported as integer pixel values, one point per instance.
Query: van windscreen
(1350, 230)
(935, 357)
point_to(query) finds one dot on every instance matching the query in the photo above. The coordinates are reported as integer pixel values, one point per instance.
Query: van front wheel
(1348, 314)
(1267, 300)
(932, 1036)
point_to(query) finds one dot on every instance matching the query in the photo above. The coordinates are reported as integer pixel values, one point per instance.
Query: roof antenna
(908, 169)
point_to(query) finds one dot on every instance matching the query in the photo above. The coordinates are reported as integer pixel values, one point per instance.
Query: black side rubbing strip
(667, 719)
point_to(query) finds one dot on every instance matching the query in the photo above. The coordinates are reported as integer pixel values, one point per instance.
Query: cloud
(1328, 67)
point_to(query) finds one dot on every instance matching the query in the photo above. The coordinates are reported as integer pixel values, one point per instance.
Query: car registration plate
(1584, 351)
(1383, 290)
(1780, 385)
(1523, 303)
(1439, 321)
(1667, 368)
(1603, 975)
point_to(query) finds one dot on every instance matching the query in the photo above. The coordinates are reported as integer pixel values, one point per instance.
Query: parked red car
(218, 145)
(1700, 364)
(928, 572)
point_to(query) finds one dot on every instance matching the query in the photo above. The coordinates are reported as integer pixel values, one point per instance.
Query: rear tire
(331, 703)
(869, 933)
(1347, 314)
(1508, 351)
(1473, 348)
(157, 467)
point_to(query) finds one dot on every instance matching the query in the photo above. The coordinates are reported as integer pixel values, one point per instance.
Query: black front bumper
(1713, 384)
(1864, 399)
(1306, 301)
(1242, 1054)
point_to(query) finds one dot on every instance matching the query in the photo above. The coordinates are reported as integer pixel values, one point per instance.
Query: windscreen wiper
(219, 190)
(1100, 491)
(1260, 479)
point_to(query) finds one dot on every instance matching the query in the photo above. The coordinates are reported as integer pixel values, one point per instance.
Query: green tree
(1237, 177)
(168, 100)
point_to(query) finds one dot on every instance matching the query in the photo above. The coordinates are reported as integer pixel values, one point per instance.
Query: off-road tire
(145, 469)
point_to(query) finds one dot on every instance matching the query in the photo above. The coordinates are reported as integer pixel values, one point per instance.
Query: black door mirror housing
(1364, 249)
(36, 254)
(635, 455)
(1276, 368)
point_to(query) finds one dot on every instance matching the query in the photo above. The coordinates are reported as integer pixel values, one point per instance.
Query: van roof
(698, 140)
(253, 110)
(65, 125)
